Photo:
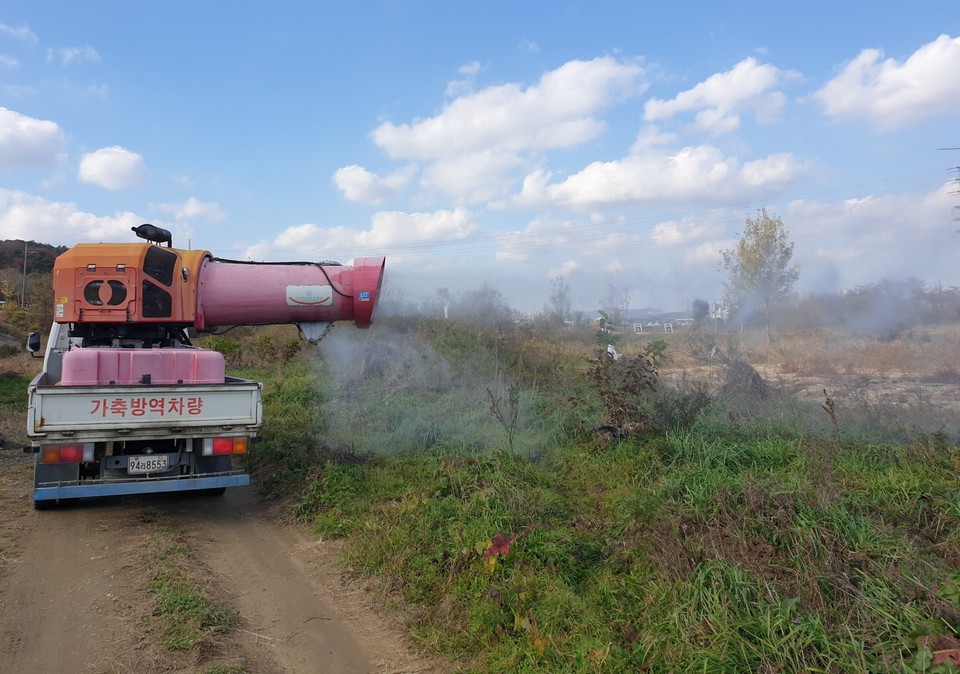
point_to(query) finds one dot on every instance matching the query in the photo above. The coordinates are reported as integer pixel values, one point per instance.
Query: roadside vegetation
(538, 506)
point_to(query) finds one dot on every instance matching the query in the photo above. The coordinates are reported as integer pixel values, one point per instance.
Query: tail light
(67, 453)
(222, 446)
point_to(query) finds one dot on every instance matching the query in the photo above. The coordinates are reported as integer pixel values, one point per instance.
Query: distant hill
(40, 256)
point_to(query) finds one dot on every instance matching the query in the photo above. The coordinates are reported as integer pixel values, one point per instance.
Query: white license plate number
(138, 465)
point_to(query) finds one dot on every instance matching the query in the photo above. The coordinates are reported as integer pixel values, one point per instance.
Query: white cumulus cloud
(468, 72)
(25, 141)
(559, 111)
(112, 168)
(24, 216)
(699, 174)
(892, 94)
(358, 184)
(473, 177)
(565, 270)
(721, 98)
(541, 234)
(869, 238)
(679, 232)
(389, 231)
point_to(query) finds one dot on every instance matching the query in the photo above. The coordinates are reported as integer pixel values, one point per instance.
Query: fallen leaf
(952, 655)
(500, 545)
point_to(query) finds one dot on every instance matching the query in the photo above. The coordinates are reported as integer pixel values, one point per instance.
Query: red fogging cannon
(311, 295)
(97, 285)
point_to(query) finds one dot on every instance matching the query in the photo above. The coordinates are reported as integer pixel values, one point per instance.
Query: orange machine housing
(126, 283)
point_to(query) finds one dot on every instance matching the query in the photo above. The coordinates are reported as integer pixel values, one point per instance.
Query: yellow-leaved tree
(758, 268)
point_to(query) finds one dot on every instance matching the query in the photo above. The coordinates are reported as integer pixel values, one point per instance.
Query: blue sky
(614, 144)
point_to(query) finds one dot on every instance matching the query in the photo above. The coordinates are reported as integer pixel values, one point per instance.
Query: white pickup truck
(125, 404)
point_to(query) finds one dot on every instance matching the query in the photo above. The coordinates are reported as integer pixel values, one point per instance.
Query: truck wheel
(218, 491)
(45, 505)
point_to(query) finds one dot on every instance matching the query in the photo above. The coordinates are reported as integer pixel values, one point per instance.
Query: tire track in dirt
(61, 585)
(72, 592)
(289, 591)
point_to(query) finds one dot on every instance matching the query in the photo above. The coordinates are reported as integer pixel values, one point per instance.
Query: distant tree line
(40, 256)
(885, 309)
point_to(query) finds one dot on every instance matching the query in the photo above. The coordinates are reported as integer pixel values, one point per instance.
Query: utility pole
(23, 285)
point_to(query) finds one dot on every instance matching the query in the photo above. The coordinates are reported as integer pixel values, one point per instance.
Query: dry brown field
(911, 383)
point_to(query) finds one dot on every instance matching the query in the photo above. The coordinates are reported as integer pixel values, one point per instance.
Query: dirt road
(73, 589)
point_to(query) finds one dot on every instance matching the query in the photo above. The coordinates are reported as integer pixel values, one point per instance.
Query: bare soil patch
(73, 594)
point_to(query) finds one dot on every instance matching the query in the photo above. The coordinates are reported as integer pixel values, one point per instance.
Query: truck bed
(98, 413)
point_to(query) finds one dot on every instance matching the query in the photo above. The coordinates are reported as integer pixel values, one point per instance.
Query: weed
(622, 384)
(290, 443)
(334, 499)
(679, 407)
(506, 416)
(831, 411)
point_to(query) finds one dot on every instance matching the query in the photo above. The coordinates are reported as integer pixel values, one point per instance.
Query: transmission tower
(955, 191)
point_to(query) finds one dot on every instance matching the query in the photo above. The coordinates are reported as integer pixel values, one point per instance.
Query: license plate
(147, 463)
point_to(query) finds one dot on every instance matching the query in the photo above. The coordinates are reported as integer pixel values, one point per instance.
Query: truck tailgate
(106, 412)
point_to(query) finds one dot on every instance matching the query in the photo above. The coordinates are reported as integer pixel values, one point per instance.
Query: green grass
(290, 443)
(633, 558)
(683, 530)
(13, 392)
(184, 613)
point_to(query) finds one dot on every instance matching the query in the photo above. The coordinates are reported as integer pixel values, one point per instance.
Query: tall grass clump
(291, 440)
